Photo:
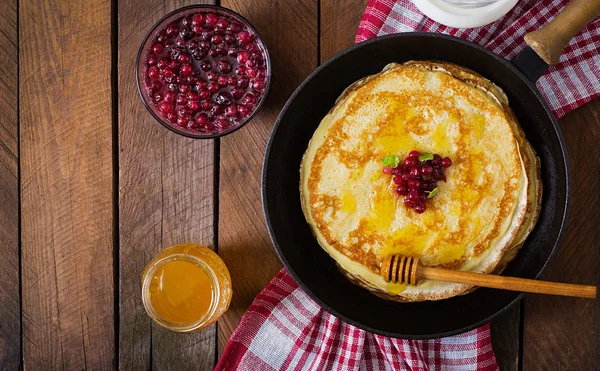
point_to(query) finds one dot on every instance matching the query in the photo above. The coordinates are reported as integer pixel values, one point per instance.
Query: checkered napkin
(285, 330)
(566, 86)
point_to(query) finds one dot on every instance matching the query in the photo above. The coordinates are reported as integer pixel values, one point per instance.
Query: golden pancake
(482, 213)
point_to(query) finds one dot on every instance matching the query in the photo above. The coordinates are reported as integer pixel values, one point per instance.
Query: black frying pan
(317, 273)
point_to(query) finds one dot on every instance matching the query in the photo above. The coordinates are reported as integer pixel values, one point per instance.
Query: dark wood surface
(10, 305)
(101, 187)
(66, 184)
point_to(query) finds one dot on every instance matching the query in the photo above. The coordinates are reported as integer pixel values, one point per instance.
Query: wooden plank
(290, 31)
(564, 333)
(506, 338)
(339, 22)
(66, 184)
(10, 309)
(165, 197)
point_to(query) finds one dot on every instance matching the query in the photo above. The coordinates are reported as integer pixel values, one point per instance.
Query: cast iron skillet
(317, 273)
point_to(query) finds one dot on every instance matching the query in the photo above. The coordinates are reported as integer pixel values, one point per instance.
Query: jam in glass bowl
(203, 71)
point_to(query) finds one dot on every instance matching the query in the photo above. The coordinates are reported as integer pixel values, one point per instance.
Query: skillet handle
(549, 41)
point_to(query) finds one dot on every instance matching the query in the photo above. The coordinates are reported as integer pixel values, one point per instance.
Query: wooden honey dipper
(408, 270)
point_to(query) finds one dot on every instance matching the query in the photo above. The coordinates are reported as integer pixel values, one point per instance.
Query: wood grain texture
(66, 184)
(165, 197)
(564, 333)
(289, 29)
(339, 22)
(10, 310)
(506, 340)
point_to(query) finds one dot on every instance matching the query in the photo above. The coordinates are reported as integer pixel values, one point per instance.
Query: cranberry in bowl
(203, 71)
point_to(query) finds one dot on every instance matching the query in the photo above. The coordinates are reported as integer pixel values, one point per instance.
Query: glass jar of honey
(186, 287)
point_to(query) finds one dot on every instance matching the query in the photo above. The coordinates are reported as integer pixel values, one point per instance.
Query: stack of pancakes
(483, 212)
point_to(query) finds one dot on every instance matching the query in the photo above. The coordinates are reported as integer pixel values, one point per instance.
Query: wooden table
(92, 187)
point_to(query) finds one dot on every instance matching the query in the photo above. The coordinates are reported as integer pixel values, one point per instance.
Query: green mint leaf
(433, 193)
(391, 161)
(425, 156)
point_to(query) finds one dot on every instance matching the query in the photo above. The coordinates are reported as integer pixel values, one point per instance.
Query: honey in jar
(186, 287)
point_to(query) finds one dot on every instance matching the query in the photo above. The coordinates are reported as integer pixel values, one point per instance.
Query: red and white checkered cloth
(285, 330)
(566, 86)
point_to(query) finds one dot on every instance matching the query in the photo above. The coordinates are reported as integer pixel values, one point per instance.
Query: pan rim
(530, 85)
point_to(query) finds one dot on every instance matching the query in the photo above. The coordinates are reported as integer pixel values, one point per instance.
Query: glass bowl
(144, 82)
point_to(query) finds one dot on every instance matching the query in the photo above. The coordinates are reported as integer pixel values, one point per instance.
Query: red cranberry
(234, 27)
(409, 202)
(229, 39)
(244, 38)
(411, 162)
(402, 189)
(231, 110)
(202, 119)
(191, 125)
(414, 154)
(446, 162)
(412, 196)
(206, 35)
(173, 64)
(414, 172)
(204, 45)
(165, 107)
(205, 66)
(232, 51)
(169, 96)
(231, 80)
(197, 29)
(222, 49)
(251, 63)
(181, 100)
(414, 184)
(199, 53)
(224, 66)
(427, 170)
(252, 48)
(222, 22)
(192, 95)
(201, 85)
(250, 72)
(180, 42)
(396, 171)
(398, 179)
(213, 87)
(437, 159)
(237, 92)
(249, 99)
(171, 30)
(222, 80)
(212, 76)
(213, 52)
(184, 58)
(420, 208)
(194, 105)
(198, 19)
(211, 20)
(203, 93)
(173, 87)
(405, 175)
(186, 70)
(243, 82)
(217, 39)
(157, 48)
(217, 110)
(153, 72)
(168, 72)
(157, 98)
(181, 121)
(243, 110)
(258, 85)
(163, 63)
(261, 73)
(151, 60)
(171, 117)
(221, 123)
(240, 70)
(242, 57)
(207, 106)
(184, 88)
